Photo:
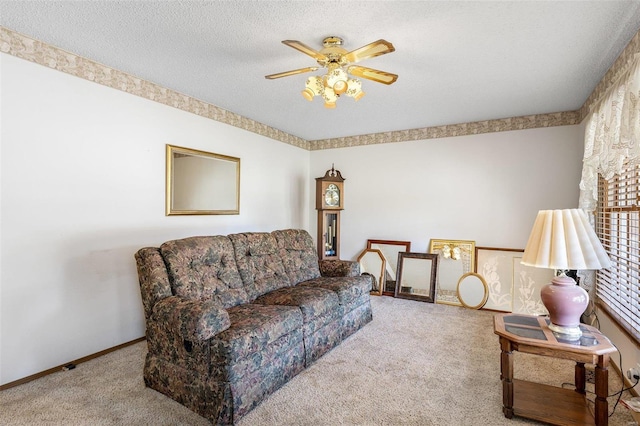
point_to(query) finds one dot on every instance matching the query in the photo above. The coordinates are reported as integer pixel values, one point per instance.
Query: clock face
(332, 195)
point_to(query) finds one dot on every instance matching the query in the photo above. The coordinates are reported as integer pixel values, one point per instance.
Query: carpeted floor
(415, 364)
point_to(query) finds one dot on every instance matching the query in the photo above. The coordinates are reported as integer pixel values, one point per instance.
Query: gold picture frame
(455, 258)
(201, 183)
(373, 263)
(472, 290)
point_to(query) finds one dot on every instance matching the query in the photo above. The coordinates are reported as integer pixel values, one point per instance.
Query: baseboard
(63, 366)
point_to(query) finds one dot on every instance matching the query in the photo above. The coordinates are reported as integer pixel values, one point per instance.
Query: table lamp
(564, 240)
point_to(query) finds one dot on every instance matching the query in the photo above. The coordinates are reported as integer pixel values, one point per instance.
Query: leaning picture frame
(416, 277)
(527, 283)
(455, 259)
(496, 266)
(390, 250)
(372, 263)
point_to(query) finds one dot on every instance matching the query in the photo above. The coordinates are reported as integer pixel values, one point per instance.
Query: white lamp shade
(564, 239)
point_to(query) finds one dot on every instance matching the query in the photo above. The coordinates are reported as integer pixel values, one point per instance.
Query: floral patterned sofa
(230, 319)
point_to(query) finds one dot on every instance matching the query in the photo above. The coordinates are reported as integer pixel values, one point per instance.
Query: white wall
(627, 347)
(83, 187)
(487, 188)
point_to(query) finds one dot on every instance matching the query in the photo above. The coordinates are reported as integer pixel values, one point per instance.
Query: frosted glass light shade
(354, 89)
(337, 80)
(330, 98)
(564, 239)
(313, 87)
(331, 86)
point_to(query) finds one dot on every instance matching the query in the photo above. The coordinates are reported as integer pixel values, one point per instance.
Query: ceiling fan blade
(371, 50)
(371, 74)
(292, 72)
(305, 49)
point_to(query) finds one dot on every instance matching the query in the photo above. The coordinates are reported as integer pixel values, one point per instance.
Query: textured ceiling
(457, 61)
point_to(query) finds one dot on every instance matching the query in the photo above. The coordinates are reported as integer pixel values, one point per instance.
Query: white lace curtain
(612, 137)
(612, 140)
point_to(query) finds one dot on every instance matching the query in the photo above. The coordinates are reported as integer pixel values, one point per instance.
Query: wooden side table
(550, 404)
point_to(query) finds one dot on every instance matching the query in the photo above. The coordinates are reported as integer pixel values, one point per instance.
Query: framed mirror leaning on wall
(200, 182)
(472, 291)
(372, 262)
(416, 276)
(390, 250)
(455, 258)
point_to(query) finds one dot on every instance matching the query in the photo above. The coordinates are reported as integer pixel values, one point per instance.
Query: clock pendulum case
(329, 202)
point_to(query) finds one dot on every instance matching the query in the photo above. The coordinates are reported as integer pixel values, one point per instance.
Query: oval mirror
(472, 291)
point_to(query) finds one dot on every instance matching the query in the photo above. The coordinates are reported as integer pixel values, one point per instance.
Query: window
(618, 226)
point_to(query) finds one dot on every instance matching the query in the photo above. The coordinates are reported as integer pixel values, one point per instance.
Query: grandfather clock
(329, 202)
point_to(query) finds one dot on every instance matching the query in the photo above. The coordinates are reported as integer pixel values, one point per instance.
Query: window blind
(618, 226)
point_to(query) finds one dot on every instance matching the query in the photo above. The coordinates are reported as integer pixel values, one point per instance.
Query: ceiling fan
(338, 62)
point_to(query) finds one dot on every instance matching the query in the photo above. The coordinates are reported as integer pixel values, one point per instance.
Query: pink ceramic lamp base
(565, 302)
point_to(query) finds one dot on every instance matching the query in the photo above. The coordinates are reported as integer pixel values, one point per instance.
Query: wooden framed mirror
(372, 262)
(472, 291)
(200, 182)
(416, 276)
(455, 258)
(390, 250)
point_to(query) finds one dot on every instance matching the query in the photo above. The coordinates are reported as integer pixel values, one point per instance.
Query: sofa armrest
(339, 268)
(192, 319)
(153, 277)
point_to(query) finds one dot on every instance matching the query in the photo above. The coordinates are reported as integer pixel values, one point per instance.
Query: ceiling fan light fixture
(336, 79)
(307, 94)
(313, 87)
(340, 87)
(329, 97)
(354, 89)
(338, 63)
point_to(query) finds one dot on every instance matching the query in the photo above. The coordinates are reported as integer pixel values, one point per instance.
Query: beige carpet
(415, 364)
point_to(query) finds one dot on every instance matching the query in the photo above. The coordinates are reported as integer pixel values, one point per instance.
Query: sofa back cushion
(259, 263)
(204, 268)
(298, 254)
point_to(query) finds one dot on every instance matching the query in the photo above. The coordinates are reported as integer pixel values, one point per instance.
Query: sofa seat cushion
(284, 354)
(314, 303)
(253, 327)
(348, 289)
(204, 268)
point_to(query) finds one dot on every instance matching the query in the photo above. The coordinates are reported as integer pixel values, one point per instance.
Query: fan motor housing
(333, 51)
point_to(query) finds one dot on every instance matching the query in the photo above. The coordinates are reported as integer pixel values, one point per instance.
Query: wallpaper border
(27, 48)
(621, 64)
(451, 130)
